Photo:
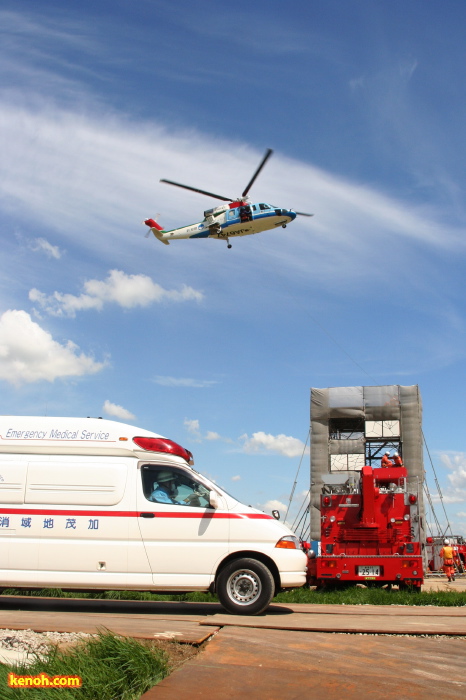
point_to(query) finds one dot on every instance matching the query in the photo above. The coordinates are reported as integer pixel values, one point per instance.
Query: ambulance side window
(162, 484)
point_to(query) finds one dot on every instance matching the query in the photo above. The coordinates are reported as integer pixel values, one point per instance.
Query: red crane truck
(370, 530)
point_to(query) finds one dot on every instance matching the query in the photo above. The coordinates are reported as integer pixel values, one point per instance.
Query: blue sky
(363, 103)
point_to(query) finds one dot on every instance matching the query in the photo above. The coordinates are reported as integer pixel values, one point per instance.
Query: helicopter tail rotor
(156, 229)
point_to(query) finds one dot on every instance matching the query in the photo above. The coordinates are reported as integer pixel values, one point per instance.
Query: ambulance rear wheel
(245, 587)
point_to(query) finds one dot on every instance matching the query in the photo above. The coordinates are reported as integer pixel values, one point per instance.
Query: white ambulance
(91, 504)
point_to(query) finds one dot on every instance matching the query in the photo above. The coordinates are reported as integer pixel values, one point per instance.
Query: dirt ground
(177, 652)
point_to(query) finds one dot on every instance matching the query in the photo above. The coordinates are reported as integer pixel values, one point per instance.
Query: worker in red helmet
(397, 461)
(447, 553)
(386, 461)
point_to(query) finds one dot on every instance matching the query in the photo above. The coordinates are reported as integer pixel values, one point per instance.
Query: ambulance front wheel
(245, 587)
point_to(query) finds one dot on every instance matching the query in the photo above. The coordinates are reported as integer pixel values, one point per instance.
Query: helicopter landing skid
(216, 230)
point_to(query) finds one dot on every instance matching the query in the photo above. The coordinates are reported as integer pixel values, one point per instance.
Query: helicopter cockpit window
(170, 486)
(264, 206)
(232, 214)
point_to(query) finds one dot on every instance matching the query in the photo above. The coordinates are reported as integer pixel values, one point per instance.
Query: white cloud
(192, 426)
(128, 291)
(113, 409)
(184, 382)
(448, 496)
(28, 353)
(455, 463)
(274, 504)
(236, 478)
(194, 429)
(281, 444)
(41, 244)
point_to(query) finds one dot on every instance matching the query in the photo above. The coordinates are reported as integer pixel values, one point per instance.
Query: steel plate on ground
(412, 610)
(324, 622)
(278, 665)
(138, 626)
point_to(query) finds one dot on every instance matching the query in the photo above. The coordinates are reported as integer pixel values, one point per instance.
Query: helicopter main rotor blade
(268, 153)
(301, 213)
(195, 189)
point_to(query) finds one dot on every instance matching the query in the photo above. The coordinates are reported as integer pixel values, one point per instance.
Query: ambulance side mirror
(213, 500)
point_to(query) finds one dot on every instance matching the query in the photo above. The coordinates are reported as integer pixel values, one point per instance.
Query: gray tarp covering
(382, 402)
(370, 403)
(346, 447)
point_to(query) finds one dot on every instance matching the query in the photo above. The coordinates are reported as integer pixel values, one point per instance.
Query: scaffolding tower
(353, 426)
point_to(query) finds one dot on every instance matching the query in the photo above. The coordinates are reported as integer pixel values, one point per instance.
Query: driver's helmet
(162, 477)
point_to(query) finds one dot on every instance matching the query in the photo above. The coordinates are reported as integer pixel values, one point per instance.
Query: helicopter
(237, 218)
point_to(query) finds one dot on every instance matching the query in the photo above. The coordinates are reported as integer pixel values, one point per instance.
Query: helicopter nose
(286, 212)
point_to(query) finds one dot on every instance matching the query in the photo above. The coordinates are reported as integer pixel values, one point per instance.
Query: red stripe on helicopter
(153, 224)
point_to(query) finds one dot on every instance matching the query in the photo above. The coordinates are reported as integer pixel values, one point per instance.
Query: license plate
(369, 571)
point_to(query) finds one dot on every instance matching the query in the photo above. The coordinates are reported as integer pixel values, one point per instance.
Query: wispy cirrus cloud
(44, 246)
(85, 196)
(184, 382)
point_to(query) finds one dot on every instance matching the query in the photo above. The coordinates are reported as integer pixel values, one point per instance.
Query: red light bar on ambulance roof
(163, 445)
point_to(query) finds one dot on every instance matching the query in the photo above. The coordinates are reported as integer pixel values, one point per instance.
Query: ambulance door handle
(147, 515)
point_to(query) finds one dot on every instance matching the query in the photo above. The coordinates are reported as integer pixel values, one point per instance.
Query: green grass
(196, 597)
(111, 668)
(372, 596)
(349, 596)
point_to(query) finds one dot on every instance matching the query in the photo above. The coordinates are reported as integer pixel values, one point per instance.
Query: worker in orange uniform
(385, 461)
(447, 553)
(397, 461)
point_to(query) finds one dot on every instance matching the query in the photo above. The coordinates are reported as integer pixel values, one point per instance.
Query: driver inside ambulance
(165, 488)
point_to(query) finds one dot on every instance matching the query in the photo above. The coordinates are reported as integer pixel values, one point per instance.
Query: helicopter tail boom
(157, 230)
